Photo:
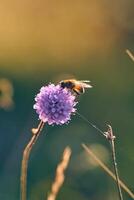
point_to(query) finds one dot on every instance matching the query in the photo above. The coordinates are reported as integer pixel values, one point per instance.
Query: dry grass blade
(129, 53)
(59, 179)
(107, 170)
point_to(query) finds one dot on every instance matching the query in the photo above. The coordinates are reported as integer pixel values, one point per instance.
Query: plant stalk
(26, 153)
(107, 170)
(111, 139)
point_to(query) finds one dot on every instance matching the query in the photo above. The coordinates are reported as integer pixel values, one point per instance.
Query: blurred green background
(47, 41)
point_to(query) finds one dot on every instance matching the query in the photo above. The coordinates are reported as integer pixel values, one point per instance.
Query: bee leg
(83, 90)
(77, 92)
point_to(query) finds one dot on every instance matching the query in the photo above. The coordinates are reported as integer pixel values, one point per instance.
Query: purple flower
(55, 104)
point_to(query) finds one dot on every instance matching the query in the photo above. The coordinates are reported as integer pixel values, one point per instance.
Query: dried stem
(59, 179)
(108, 171)
(130, 54)
(36, 132)
(111, 138)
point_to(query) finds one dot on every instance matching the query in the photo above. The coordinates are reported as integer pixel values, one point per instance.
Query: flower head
(55, 104)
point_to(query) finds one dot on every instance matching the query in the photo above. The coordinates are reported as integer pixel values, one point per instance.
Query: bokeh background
(47, 41)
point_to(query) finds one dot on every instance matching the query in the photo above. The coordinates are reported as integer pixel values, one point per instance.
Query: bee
(78, 87)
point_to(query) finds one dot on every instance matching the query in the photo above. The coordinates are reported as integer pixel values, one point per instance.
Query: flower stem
(111, 138)
(23, 180)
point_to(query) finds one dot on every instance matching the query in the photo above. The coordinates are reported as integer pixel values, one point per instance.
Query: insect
(78, 87)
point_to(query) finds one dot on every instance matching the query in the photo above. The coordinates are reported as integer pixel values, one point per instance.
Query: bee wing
(85, 81)
(85, 85)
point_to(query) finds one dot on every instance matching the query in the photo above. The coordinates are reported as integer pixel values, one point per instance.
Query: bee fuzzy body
(78, 87)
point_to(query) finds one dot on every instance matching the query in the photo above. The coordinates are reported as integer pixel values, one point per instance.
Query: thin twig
(110, 136)
(107, 170)
(59, 179)
(36, 132)
(130, 54)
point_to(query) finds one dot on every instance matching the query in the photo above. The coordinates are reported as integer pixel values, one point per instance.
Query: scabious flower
(55, 104)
